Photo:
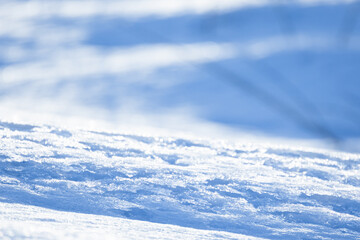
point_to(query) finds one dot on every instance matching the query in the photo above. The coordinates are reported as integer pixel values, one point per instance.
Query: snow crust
(58, 183)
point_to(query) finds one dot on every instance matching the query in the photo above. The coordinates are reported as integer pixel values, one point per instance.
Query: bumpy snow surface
(57, 183)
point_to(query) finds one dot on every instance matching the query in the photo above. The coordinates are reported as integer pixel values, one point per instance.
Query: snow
(42, 223)
(77, 183)
(193, 119)
(73, 63)
(140, 8)
(123, 61)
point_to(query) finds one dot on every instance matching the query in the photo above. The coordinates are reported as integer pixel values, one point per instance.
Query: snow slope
(41, 223)
(272, 69)
(60, 183)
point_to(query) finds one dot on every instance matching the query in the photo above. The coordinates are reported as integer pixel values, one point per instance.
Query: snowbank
(57, 183)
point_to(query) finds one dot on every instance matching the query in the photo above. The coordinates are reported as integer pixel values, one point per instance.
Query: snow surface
(58, 183)
(97, 99)
(42, 223)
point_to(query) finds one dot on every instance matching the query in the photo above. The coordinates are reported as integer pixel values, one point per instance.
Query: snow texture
(77, 184)
(240, 68)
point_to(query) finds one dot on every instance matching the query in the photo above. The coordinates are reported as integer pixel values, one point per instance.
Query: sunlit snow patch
(265, 191)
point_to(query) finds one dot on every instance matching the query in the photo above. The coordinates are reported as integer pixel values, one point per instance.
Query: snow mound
(61, 183)
(43, 223)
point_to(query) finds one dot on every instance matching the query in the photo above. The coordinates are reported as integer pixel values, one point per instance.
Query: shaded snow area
(265, 67)
(80, 184)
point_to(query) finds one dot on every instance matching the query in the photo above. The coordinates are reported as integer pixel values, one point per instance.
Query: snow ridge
(262, 191)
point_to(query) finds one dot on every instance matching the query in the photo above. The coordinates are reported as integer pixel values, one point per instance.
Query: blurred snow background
(285, 69)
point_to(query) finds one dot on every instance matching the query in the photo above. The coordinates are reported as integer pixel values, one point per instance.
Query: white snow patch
(58, 182)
